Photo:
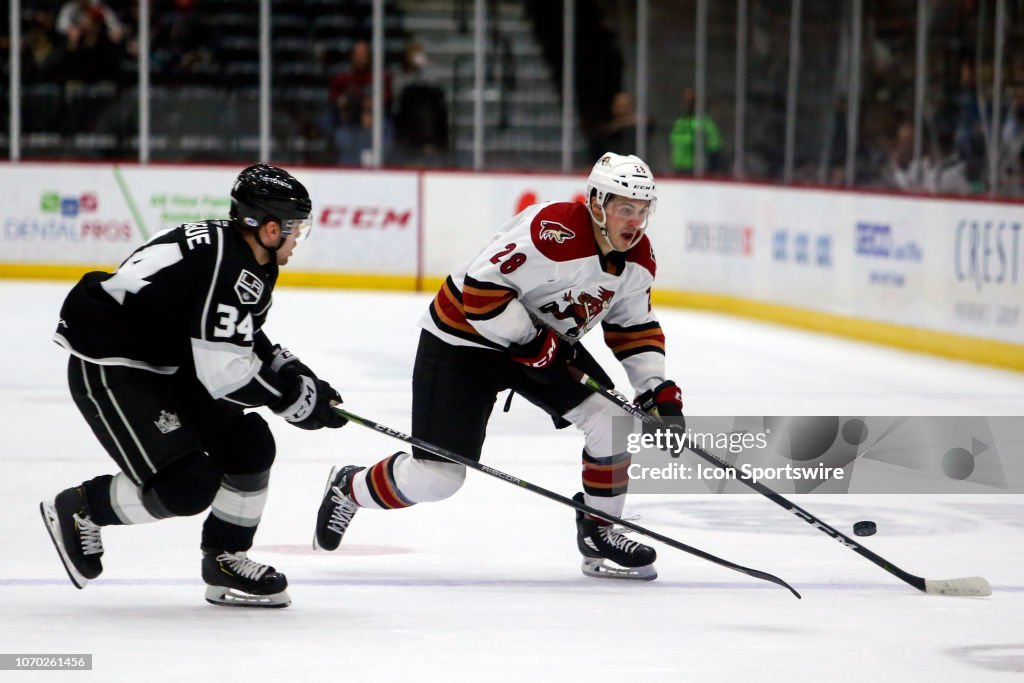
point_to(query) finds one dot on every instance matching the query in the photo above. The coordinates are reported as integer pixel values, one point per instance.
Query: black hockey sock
(97, 496)
(236, 511)
(223, 535)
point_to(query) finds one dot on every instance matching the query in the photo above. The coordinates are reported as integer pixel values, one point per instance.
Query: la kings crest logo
(550, 230)
(248, 287)
(168, 422)
(582, 308)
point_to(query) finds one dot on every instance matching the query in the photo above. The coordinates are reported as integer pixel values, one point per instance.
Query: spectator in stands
(970, 138)
(348, 93)
(949, 174)
(75, 14)
(181, 41)
(421, 114)
(903, 171)
(354, 144)
(42, 54)
(93, 54)
(619, 133)
(1012, 142)
(683, 138)
(411, 70)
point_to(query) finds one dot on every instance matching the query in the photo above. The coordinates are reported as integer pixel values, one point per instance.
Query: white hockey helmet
(625, 176)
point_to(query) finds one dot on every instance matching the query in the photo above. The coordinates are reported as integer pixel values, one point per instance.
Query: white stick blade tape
(973, 585)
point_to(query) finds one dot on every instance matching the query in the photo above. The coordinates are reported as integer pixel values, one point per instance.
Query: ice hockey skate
(336, 509)
(610, 554)
(234, 580)
(75, 536)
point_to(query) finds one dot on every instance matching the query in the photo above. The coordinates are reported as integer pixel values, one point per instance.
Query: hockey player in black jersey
(167, 353)
(509, 319)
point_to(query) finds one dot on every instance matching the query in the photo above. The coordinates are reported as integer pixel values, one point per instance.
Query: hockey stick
(551, 495)
(973, 585)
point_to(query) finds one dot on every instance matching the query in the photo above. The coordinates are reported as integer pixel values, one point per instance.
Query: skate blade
(49, 513)
(222, 596)
(330, 480)
(597, 568)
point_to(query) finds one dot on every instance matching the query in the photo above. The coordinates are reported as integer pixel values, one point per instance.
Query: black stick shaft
(915, 581)
(551, 495)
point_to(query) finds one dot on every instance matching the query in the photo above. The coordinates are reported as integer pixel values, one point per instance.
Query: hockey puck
(864, 528)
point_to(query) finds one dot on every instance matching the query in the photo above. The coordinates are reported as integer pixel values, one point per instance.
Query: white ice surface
(486, 586)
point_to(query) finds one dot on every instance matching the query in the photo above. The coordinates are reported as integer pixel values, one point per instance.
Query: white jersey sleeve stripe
(223, 367)
(213, 285)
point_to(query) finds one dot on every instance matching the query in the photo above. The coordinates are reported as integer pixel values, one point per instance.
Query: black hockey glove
(308, 404)
(287, 365)
(545, 356)
(664, 400)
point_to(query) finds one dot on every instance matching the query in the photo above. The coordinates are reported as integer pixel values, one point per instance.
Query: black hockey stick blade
(551, 495)
(969, 586)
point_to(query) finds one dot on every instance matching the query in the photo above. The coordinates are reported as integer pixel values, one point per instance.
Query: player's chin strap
(601, 224)
(603, 229)
(280, 241)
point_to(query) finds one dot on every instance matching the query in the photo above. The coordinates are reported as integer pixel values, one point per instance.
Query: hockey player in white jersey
(510, 319)
(167, 353)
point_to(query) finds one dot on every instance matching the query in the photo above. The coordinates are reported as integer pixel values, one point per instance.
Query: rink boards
(935, 275)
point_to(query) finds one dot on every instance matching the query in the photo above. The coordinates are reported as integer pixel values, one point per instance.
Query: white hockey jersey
(545, 266)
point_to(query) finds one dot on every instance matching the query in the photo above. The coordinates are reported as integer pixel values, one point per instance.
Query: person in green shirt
(683, 139)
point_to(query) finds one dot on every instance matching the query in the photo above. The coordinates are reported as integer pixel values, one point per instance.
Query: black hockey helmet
(263, 192)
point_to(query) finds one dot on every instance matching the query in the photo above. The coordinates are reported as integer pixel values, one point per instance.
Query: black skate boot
(336, 509)
(233, 579)
(75, 536)
(601, 543)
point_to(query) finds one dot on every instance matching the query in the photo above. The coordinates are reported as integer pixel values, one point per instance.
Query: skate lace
(341, 515)
(242, 565)
(617, 540)
(89, 533)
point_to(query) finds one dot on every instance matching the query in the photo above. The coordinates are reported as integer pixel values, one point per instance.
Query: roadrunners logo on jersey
(582, 308)
(167, 423)
(550, 230)
(248, 287)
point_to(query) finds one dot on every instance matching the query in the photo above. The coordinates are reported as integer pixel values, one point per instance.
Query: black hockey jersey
(192, 299)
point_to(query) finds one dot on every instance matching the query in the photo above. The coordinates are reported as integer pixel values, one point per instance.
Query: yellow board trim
(945, 344)
(431, 284)
(948, 345)
(348, 280)
(23, 271)
(26, 271)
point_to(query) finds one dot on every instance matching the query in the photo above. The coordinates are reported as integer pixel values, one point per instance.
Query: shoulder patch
(562, 232)
(553, 230)
(248, 287)
(643, 255)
